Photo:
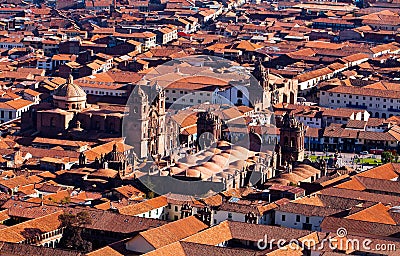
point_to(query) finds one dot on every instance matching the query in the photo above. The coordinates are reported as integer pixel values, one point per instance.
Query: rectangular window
(283, 217)
(297, 218)
(10, 115)
(307, 219)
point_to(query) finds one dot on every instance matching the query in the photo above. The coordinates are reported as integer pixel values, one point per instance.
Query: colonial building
(291, 142)
(69, 114)
(276, 89)
(148, 129)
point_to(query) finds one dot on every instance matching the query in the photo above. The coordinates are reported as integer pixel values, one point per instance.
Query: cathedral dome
(69, 96)
(70, 90)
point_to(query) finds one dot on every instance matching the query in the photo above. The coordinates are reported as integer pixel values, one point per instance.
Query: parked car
(376, 151)
(364, 153)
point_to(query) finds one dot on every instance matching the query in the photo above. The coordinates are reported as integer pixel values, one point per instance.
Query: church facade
(148, 129)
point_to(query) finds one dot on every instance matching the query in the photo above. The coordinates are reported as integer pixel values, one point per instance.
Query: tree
(72, 235)
(387, 157)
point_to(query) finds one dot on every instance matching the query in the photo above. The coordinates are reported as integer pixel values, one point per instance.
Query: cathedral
(148, 129)
(69, 116)
(279, 90)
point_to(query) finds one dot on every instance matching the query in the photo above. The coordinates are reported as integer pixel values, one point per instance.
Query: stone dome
(69, 90)
(69, 96)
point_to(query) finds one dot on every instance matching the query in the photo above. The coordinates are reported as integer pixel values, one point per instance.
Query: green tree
(72, 235)
(387, 157)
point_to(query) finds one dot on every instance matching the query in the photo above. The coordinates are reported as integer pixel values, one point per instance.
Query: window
(283, 217)
(307, 219)
(176, 208)
(229, 215)
(10, 114)
(239, 94)
(2, 114)
(297, 218)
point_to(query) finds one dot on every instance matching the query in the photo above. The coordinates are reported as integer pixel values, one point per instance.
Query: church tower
(209, 129)
(147, 121)
(291, 142)
(262, 76)
(139, 119)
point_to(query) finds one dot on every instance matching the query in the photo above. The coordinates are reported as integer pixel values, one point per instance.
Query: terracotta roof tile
(377, 213)
(172, 232)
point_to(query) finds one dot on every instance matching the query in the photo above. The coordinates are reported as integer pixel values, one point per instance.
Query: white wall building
(378, 102)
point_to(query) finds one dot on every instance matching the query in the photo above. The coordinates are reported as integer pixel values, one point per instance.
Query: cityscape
(199, 128)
